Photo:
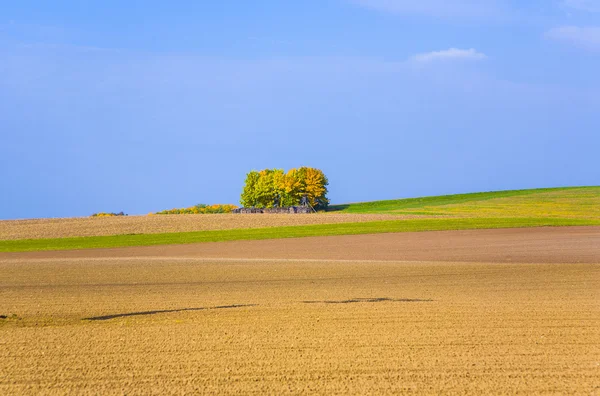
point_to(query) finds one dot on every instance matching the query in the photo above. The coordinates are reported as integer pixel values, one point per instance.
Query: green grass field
(576, 206)
(567, 202)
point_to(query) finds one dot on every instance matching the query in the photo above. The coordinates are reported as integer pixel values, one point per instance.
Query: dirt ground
(121, 225)
(479, 312)
(519, 245)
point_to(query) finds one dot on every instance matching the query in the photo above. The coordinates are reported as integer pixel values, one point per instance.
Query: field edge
(376, 227)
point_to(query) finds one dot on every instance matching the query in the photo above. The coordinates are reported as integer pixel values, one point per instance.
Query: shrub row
(201, 209)
(105, 214)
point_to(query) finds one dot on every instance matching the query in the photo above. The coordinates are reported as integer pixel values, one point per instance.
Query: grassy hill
(566, 203)
(574, 206)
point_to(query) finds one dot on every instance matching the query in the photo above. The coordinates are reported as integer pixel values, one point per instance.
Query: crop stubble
(123, 225)
(332, 325)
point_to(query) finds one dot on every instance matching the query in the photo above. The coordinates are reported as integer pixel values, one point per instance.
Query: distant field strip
(163, 224)
(414, 225)
(197, 259)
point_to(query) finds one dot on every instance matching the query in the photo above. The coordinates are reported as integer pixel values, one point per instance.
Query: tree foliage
(273, 187)
(249, 196)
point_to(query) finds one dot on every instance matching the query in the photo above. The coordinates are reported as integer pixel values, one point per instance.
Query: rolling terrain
(574, 206)
(564, 203)
(500, 296)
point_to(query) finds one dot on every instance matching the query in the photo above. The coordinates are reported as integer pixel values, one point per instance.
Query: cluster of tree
(201, 209)
(270, 188)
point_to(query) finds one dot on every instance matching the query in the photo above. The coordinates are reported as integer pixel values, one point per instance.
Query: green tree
(249, 197)
(268, 187)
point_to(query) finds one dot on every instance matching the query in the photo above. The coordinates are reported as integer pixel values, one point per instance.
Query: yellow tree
(293, 187)
(315, 187)
(310, 182)
(278, 187)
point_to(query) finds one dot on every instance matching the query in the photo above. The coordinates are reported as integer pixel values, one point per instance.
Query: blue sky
(146, 105)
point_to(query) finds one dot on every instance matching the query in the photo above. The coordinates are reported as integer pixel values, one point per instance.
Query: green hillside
(565, 203)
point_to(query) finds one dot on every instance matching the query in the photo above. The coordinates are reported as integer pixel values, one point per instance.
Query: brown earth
(317, 315)
(519, 245)
(120, 225)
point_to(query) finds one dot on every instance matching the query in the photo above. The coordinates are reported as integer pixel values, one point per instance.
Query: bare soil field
(520, 245)
(121, 225)
(480, 312)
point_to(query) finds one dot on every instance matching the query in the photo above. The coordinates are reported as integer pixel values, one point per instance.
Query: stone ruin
(281, 210)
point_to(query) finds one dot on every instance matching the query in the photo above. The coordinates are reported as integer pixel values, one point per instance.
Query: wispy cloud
(583, 5)
(583, 37)
(437, 8)
(449, 54)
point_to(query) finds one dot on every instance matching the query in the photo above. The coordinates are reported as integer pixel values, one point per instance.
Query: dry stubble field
(122, 225)
(520, 313)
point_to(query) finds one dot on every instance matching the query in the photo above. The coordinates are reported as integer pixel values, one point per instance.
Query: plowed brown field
(520, 314)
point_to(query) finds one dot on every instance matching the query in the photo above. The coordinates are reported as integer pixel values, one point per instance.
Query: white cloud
(584, 5)
(583, 37)
(437, 8)
(449, 54)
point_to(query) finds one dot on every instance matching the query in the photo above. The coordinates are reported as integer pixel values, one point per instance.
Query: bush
(105, 214)
(201, 209)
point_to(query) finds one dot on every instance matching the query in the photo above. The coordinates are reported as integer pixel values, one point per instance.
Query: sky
(146, 105)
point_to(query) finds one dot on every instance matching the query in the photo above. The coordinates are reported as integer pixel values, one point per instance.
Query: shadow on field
(108, 317)
(367, 300)
(337, 208)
